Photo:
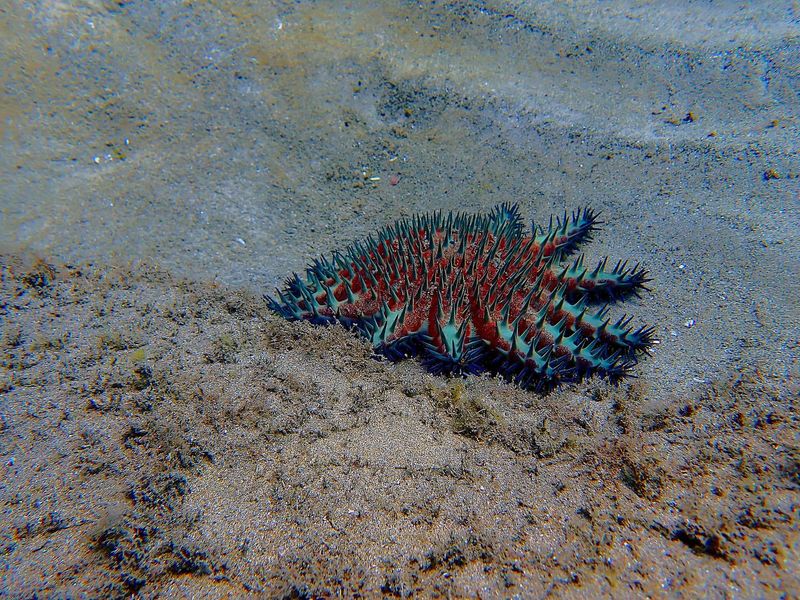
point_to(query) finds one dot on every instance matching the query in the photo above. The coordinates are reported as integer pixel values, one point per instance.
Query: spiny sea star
(475, 293)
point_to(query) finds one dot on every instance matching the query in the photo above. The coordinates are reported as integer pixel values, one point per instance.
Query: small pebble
(690, 323)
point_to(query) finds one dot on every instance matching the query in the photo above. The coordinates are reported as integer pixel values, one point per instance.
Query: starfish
(475, 293)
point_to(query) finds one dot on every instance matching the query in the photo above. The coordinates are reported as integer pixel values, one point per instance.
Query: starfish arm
(601, 284)
(568, 232)
(572, 326)
(617, 336)
(505, 218)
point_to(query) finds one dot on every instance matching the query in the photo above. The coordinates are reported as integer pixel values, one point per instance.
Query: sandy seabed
(170, 438)
(164, 164)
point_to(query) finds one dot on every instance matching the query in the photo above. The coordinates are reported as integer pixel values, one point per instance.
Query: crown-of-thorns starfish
(475, 293)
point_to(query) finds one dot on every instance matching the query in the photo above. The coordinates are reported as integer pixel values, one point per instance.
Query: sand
(163, 165)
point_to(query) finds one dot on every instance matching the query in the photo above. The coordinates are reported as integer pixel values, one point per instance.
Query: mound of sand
(167, 437)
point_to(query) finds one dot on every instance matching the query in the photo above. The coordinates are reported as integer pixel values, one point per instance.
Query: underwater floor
(163, 433)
